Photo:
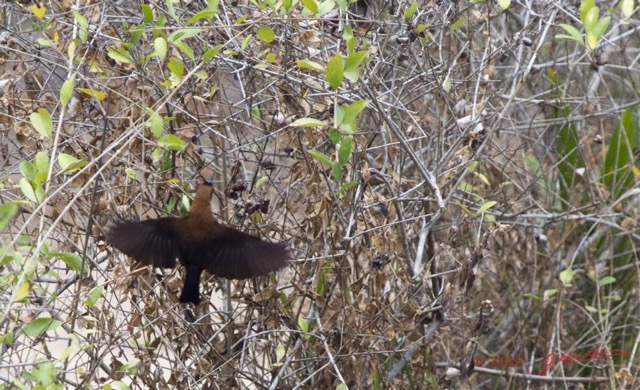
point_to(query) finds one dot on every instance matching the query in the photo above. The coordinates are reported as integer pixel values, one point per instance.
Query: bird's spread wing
(236, 255)
(150, 242)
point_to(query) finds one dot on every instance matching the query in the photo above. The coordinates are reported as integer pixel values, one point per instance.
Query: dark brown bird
(200, 243)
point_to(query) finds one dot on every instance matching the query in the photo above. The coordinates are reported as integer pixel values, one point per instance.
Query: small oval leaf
(344, 152)
(323, 158)
(308, 122)
(335, 71)
(39, 326)
(7, 212)
(308, 64)
(70, 163)
(171, 142)
(160, 48)
(71, 259)
(41, 121)
(486, 206)
(27, 190)
(119, 54)
(266, 34)
(66, 91)
(22, 292)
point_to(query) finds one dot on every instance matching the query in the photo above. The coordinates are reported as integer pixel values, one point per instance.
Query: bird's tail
(191, 289)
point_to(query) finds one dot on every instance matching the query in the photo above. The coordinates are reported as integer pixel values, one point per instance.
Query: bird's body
(200, 243)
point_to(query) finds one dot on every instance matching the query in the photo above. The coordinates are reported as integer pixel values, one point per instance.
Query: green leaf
(548, 294)
(352, 65)
(39, 191)
(136, 32)
(186, 50)
(204, 14)
(41, 164)
(7, 212)
(160, 48)
(573, 32)
(171, 142)
(303, 324)
(349, 184)
(45, 42)
(308, 122)
(41, 121)
(94, 296)
(176, 67)
(504, 4)
(486, 206)
(607, 280)
(342, 386)
(270, 58)
(595, 33)
(28, 170)
(182, 34)
(71, 259)
(569, 153)
(266, 34)
(566, 37)
(280, 351)
(334, 135)
(245, 42)
(320, 283)
(70, 163)
(585, 7)
(27, 190)
(308, 64)
(591, 18)
(337, 172)
(335, 71)
(410, 11)
(83, 24)
(39, 326)
(346, 116)
(566, 277)
(325, 7)
(45, 375)
(619, 160)
(156, 124)
(66, 91)
(147, 13)
(131, 367)
(209, 54)
(323, 158)
(311, 5)
(119, 54)
(22, 292)
(131, 173)
(458, 23)
(344, 152)
(626, 8)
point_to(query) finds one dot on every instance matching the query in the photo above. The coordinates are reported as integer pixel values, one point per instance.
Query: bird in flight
(200, 243)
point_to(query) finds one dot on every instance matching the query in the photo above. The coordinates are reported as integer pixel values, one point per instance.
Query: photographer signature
(575, 358)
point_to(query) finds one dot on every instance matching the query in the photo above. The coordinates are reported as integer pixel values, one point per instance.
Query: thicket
(457, 182)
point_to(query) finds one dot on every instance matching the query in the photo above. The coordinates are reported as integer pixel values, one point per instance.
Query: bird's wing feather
(151, 242)
(236, 255)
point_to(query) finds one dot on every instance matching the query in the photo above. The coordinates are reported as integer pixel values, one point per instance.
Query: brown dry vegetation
(484, 216)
